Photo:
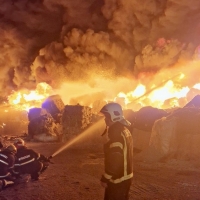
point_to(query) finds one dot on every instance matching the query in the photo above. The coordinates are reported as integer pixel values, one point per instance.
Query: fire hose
(49, 159)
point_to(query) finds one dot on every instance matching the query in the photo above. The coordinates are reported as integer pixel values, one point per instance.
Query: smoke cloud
(72, 41)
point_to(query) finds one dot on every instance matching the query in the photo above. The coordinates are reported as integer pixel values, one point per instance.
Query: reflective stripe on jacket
(25, 156)
(7, 160)
(118, 155)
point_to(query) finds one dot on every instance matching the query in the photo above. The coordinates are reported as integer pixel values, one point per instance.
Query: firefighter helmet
(11, 148)
(114, 111)
(18, 142)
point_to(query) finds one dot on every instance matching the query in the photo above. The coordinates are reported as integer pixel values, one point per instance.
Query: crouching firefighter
(118, 154)
(7, 160)
(28, 161)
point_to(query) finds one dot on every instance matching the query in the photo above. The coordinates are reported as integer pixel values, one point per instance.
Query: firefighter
(118, 154)
(7, 160)
(28, 161)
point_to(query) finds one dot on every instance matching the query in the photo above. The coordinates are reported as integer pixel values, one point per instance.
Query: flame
(24, 100)
(168, 91)
(158, 95)
(197, 86)
(139, 91)
(155, 95)
(147, 91)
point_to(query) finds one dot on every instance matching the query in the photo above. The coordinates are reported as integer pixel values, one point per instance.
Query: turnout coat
(118, 153)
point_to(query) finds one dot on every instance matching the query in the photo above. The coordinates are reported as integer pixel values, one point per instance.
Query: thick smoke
(83, 41)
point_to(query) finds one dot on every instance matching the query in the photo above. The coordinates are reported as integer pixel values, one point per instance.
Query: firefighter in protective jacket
(118, 153)
(28, 161)
(7, 160)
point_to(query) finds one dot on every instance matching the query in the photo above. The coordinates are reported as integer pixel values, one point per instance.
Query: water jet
(84, 134)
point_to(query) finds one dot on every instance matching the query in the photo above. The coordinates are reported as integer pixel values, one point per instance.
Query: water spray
(85, 133)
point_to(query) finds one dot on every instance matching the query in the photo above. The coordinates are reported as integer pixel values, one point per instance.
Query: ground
(76, 172)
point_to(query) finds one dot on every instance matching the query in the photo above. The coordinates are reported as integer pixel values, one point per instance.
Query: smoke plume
(60, 42)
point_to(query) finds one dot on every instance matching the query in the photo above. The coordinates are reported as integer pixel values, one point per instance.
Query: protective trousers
(119, 191)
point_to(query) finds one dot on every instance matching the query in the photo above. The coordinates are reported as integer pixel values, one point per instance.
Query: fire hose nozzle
(50, 157)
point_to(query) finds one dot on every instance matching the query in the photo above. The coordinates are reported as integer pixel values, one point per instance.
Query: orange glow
(162, 90)
(167, 91)
(139, 91)
(156, 95)
(24, 100)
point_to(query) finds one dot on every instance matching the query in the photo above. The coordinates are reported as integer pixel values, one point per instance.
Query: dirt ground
(76, 172)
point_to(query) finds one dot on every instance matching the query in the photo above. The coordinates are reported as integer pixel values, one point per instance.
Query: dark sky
(74, 40)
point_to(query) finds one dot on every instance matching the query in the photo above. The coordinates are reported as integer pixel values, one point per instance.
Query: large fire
(167, 93)
(157, 95)
(166, 89)
(24, 100)
(164, 95)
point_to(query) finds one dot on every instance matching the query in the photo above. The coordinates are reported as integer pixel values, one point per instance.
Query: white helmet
(18, 142)
(114, 110)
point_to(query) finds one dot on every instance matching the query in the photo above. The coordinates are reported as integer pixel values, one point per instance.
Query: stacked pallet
(75, 119)
(42, 123)
(35, 113)
(55, 106)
